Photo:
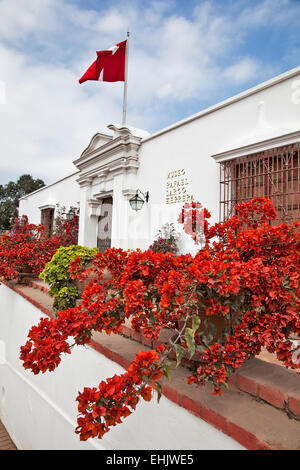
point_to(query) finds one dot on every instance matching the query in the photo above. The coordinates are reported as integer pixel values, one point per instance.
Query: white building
(245, 146)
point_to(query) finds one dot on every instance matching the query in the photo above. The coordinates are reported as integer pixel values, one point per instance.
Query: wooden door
(47, 219)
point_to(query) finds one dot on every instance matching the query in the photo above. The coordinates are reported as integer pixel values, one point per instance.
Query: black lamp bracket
(145, 195)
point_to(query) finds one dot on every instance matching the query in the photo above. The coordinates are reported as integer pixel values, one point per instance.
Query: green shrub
(56, 274)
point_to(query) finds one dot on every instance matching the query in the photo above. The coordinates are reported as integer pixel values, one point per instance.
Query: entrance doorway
(104, 225)
(47, 219)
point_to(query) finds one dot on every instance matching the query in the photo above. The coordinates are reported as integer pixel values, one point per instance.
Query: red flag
(109, 65)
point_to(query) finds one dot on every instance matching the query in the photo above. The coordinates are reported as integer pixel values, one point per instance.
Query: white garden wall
(64, 192)
(265, 112)
(39, 412)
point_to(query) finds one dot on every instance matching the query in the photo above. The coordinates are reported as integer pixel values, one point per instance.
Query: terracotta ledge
(39, 284)
(271, 383)
(248, 419)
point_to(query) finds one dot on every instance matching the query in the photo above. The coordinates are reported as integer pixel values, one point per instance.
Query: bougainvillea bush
(192, 217)
(166, 240)
(25, 249)
(58, 276)
(247, 275)
(67, 225)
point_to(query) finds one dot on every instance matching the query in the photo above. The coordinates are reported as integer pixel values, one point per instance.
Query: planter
(197, 359)
(219, 322)
(81, 285)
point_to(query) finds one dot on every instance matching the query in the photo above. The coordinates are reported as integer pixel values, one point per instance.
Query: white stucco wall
(64, 192)
(270, 110)
(39, 412)
(267, 113)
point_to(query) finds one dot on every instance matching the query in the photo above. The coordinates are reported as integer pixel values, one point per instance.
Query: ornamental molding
(106, 158)
(85, 180)
(128, 193)
(97, 141)
(277, 141)
(47, 206)
(102, 195)
(121, 165)
(129, 149)
(94, 207)
(123, 143)
(93, 203)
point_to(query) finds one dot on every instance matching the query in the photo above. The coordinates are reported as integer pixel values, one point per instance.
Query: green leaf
(179, 353)
(158, 389)
(285, 281)
(151, 317)
(195, 322)
(190, 340)
(213, 330)
(167, 370)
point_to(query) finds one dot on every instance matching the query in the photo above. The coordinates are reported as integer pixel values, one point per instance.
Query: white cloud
(271, 12)
(175, 58)
(19, 17)
(48, 118)
(243, 71)
(112, 23)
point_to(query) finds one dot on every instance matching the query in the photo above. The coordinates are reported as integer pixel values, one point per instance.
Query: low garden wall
(40, 411)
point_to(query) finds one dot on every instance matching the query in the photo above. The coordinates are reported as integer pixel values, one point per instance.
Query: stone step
(272, 383)
(253, 423)
(266, 381)
(39, 284)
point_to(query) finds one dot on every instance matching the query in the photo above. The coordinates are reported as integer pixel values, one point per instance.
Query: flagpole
(125, 81)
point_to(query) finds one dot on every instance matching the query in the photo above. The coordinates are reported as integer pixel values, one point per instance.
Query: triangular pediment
(123, 130)
(111, 150)
(97, 141)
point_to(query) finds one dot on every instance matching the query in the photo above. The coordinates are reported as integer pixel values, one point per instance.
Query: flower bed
(25, 250)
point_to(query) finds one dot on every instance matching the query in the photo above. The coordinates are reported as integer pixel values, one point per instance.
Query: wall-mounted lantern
(70, 214)
(137, 202)
(22, 221)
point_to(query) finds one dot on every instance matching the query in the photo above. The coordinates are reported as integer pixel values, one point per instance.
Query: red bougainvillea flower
(115, 398)
(67, 231)
(25, 249)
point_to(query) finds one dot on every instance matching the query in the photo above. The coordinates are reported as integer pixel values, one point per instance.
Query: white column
(119, 233)
(87, 224)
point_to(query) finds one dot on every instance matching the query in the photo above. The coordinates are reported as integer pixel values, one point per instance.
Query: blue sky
(184, 57)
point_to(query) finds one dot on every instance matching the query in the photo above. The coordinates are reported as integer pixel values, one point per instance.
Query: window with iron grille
(273, 173)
